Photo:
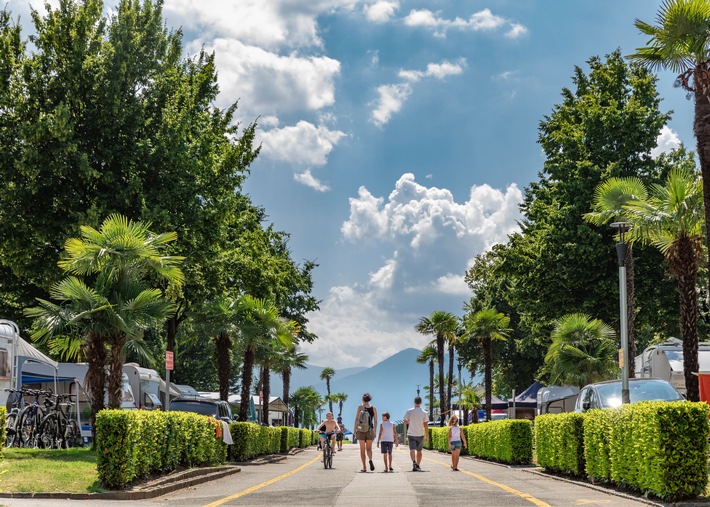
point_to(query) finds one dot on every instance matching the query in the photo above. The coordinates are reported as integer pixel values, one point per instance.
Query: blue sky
(398, 136)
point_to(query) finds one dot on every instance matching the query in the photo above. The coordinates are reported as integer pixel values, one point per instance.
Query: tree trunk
(286, 377)
(431, 390)
(224, 364)
(330, 401)
(115, 371)
(246, 384)
(687, 272)
(630, 312)
(95, 378)
(295, 416)
(701, 127)
(450, 379)
(442, 379)
(488, 359)
(266, 391)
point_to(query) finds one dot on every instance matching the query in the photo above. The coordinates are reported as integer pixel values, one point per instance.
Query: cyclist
(327, 429)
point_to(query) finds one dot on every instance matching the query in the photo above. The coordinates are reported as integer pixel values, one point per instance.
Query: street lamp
(459, 365)
(622, 250)
(418, 389)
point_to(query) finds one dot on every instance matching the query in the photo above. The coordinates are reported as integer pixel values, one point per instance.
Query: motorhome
(665, 361)
(149, 389)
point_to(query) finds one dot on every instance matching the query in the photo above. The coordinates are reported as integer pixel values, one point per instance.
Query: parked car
(219, 409)
(608, 394)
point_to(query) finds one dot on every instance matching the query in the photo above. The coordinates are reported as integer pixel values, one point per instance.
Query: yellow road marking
(525, 496)
(262, 485)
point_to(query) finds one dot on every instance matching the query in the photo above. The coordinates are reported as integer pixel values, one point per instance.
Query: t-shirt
(387, 434)
(416, 417)
(455, 433)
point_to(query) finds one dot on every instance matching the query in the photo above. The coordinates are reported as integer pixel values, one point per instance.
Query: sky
(398, 137)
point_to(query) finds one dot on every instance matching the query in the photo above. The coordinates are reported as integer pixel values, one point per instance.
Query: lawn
(40, 470)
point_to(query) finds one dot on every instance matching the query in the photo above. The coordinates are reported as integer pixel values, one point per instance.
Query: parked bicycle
(12, 419)
(57, 430)
(30, 418)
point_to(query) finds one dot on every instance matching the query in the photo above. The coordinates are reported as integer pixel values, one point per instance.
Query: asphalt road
(301, 480)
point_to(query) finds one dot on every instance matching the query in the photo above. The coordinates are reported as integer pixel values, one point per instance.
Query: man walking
(418, 432)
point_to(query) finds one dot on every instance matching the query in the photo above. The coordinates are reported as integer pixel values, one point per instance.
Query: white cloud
(667, 140)
(269, 83)
(452, 284)
(478, 21)
(303, 144)
(381, 12)
(390, 100)
(436, 70)
(310, 181)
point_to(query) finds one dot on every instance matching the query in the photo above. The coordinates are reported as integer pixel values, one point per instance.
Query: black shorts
(338, 437)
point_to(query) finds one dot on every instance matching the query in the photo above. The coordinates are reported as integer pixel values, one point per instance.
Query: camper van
(149, 389)
(665, 361)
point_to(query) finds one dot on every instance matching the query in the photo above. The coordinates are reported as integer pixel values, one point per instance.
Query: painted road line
(525, 496)
(262, 485)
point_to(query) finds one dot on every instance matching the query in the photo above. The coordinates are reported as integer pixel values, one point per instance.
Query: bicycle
(327, 451)
(30, 418)
(57, 430)
(14, 402)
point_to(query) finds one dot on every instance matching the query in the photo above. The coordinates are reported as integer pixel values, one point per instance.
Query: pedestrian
(417, 433)
(387, 438)
(341, 433)
(365, 432)
(456, 439)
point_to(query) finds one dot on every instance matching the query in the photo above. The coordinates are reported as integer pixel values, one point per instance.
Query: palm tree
(259, 323)
(442, 325)
(305, 401)
(486, 326)
(671, 219)
(428, 355)
(583, 351)
(119, 257)
(340, 398)
(470, 400)
(610, 197)
(292, 358)
(327, 374)
(681, 43)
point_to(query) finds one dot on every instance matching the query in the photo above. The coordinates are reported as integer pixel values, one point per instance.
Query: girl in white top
(456, 439)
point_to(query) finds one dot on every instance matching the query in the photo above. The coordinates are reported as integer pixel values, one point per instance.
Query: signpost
(168, 369)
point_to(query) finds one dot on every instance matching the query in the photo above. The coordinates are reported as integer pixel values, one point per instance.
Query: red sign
(169, 360)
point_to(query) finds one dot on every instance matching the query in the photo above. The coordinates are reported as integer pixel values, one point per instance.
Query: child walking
(388, 438)
(456, 438)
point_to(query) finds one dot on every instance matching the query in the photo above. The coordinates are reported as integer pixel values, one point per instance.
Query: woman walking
(365, 424)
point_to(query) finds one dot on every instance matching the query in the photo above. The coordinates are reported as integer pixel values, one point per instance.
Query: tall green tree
(672, 219)
(680, 42)
(487, 326)
(583, 351)
(291, 359)
(442, 325)
(305, 401)
(120, 258)
(327, 374)
(428, 356)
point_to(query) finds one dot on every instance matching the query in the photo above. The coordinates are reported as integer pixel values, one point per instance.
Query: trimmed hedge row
(252, 440)
(652, 447)
(134, 443)
(505, 441)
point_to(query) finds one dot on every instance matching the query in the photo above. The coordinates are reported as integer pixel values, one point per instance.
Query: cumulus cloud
(667, 140)
(483, 20)
(310, 181)
(381, 12)
(391, 97)
(270, 83)
(303, 144)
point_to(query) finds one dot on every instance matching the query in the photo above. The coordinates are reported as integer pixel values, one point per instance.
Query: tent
(524, 405)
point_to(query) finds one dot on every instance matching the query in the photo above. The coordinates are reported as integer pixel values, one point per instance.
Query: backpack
(363, 422)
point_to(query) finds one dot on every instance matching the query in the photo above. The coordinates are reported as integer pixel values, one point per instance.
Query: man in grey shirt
(418, 432)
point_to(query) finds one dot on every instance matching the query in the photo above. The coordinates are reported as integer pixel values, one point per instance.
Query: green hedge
(246, 437)
(597, 428)
(290, 438)
(134, 443)
(440, 439)
(559, 442)
(661, 448)
(506, 441)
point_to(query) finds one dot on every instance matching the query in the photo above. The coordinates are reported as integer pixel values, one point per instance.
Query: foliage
(506, 441)
(559, 442)
(597, 430)
(443, 326)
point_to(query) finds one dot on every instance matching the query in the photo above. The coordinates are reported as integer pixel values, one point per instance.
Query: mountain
(392, 383)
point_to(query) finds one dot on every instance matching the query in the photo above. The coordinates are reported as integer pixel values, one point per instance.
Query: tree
(443, 326)
(340, 398)
(428, 356)
(327, 374)
(583, 351)
(681, 43)
(486, 326)
(120, 257)
(292, 358)
(671, 219)
(470, 400)
(305, 402)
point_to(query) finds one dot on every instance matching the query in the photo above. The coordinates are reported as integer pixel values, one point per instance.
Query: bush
(597, 427)
(559, 441)
(506, 441)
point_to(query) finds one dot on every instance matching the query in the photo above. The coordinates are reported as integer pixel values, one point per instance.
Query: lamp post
(459, 365)
(622, 250)
(418, 389)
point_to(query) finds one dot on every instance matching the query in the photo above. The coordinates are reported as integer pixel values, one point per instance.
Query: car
(608, 394)
(219, 409)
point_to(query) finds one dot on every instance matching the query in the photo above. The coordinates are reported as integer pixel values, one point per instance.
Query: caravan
(149, 389)
(665, 361)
